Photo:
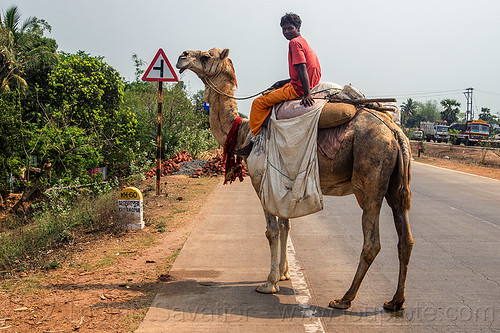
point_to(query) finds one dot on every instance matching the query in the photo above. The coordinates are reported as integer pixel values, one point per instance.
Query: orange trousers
(262, 105)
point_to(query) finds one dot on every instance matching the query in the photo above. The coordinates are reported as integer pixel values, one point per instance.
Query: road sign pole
(159, 70)
(158, 139)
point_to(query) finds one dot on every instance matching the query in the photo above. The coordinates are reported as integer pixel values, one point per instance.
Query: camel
(373, 162)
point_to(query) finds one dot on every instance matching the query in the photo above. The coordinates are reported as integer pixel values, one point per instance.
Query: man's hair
(292, 19)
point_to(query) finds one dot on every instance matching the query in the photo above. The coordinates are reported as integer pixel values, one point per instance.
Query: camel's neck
(223, 109)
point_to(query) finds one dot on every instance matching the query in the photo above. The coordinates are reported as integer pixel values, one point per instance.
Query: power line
(416, 93)
(488, 92)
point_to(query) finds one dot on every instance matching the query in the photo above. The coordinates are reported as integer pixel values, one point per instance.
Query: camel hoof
(394, 306)
(340, 304)
(284, 277)
(267, 288)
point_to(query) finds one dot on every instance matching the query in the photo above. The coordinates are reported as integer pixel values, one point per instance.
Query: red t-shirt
(300, 52)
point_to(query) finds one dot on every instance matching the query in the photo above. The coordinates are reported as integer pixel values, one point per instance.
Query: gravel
(187, 168)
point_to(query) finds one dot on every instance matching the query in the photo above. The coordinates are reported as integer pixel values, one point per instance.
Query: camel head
(209, 64)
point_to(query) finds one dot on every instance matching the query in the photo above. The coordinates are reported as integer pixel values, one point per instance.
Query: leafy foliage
(488, 117)
(74, 113)
(451, 108)
(10, 152)
(86, 89)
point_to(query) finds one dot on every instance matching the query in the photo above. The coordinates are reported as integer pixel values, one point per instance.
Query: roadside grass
(94, 264)
(170, 260)
(27, 245)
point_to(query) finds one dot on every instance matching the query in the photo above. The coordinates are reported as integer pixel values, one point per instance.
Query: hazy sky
(426, 49)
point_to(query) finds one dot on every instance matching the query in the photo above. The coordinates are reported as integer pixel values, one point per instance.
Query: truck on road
(435, 131)
(470, 132)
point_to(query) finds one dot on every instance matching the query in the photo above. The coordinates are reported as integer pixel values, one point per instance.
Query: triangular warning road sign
(160, 69)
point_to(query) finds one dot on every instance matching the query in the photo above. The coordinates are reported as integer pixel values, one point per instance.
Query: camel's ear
(224, 54)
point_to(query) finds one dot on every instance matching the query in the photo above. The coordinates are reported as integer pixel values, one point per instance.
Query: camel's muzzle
(183, 63)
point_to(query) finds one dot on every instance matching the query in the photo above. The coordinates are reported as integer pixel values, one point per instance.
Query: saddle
(339, 105)
(333, 120)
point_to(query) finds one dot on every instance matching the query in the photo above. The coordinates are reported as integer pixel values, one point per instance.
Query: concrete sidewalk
(217, 271)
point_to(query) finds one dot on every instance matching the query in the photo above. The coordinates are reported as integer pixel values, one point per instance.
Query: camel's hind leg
(405, 246)
(371, 247)
(273, 236)
(284, 230)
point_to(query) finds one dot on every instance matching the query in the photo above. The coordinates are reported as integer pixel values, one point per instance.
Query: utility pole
(469, 114)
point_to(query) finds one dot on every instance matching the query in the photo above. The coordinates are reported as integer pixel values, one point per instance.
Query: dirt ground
(107, 284)
(474, 160)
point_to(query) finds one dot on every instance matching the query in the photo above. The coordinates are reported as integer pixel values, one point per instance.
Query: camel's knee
(405, 247)
(406, 243)
(272, 228)
(370, 251)
(272, 235)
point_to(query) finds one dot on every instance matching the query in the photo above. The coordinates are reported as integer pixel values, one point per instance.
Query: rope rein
(210, 83)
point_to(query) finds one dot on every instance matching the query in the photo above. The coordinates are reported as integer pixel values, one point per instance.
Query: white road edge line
(303, 295)
(465, 173)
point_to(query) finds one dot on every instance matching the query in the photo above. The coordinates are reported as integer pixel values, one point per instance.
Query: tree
(408, 110)
(11, 20)
(22, 52)
(25, 54)
(10, 67)
(451, 108)
(11, 139)
(138, 64)
(487, 116)
(86, 89)
(85, 92)
(429, 111)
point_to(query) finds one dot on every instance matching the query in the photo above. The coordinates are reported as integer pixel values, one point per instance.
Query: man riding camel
(304, 70)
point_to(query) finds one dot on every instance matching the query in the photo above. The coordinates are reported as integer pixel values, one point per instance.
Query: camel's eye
(205, 57)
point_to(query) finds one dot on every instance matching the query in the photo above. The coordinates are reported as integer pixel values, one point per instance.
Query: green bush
(24, 246)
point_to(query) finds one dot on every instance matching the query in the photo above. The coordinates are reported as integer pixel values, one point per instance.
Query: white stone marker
(130, 209)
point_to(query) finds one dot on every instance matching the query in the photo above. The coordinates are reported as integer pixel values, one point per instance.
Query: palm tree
(11, 23)
(10, 68)
(10, 34)
(408, 109)
(22, 48)
(451, 108)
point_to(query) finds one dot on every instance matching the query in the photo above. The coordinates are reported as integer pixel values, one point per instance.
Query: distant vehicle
(417, 134)
(437, 131)
(470, 132)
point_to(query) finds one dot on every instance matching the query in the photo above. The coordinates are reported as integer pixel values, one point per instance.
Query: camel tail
(400, 180)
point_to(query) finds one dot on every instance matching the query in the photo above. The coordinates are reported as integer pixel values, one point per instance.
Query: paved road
(453, 283)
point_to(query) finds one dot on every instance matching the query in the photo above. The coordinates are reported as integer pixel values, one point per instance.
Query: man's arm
(307, 99)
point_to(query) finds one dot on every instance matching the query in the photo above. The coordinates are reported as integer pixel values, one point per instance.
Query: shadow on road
(192, 300)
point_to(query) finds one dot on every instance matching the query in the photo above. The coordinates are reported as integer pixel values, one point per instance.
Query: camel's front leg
(272, 234)
(284, 229)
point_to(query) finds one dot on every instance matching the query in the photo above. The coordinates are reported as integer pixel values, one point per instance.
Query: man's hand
(307, 100)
